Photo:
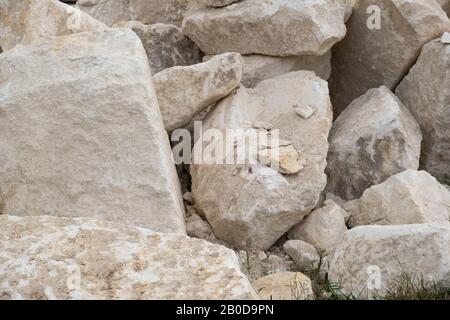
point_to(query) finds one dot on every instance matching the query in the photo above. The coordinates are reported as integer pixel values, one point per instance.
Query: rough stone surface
(269, 27)
(251, 205)
(304, 255)
(185, 91)
(409, 197)
(258, 67)
(42, 256)
(426, 91)
(284, 286)
(165, 44)
(421, 251)
(324, 228)
(373, 139)
(145, 11)
(368, 58)
(82, 134)
(28, 21)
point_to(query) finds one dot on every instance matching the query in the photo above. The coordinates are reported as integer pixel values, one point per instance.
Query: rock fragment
(426, 92)
(304, 255)
(373, 139)
(410, 197)
(421, 251)
(183, 92)
(249, 204)
(288, 28)
(372, 54)
(324, 228)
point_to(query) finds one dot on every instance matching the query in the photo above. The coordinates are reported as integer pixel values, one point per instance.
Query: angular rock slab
(252, 205)
(183, 92)
(82, 134)
(409, 197)
(46, 257)
(420, 251)
(28, 21)
(426, 92)
(269, 27)
(324, 228)
(304, 255)
(373, 139)
(145, 11)
(165, 44)
(368, 58)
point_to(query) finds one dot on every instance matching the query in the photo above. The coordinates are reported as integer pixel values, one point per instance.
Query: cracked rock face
(407, 198)
(59, 258)
(73, 145)
(421, 250)
(28, 21)
(324, 228)
(373, 139)
(426, 92)
(252, 205)
(370, 57)
(269, 27)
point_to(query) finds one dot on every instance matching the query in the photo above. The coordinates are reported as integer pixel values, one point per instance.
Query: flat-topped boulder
(269, 27)
(82, 134)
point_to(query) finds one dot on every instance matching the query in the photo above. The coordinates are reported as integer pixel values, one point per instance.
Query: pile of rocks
(351, 111)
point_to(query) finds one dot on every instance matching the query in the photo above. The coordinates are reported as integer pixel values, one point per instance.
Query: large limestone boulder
(373, 259)
(284, 286)
(46, 257)
(82, 134)
(165, 44)
(373, 139)
(183, 92)
(409, 197)
(269, 27)
(145, 11)
(28, 21)
(426, 91)
(250, 204)
(324, 228)
(369, 57)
